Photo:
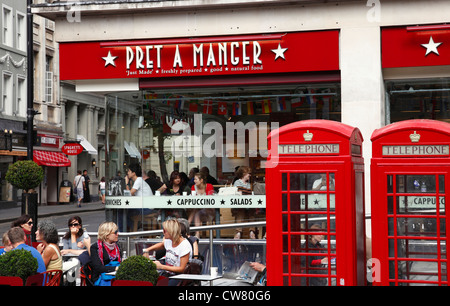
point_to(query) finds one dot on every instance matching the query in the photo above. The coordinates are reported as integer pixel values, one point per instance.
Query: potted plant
(19, 263)
(138, 268)
(26, 175)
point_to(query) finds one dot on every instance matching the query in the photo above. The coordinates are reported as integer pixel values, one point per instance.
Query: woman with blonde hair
(178, 250)
(105, 253)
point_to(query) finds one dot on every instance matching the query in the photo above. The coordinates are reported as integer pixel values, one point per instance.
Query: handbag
(231, 190)
(75, 189)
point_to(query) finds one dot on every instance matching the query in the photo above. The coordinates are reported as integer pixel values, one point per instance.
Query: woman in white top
(178, 250)
(102, 188)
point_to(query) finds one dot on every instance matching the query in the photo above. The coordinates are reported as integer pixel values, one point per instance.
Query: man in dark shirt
(154, 183)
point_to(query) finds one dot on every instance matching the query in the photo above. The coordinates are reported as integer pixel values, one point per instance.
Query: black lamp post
(30, 207)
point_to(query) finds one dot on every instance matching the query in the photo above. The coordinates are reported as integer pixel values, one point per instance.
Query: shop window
(222, 128)
(418, 99)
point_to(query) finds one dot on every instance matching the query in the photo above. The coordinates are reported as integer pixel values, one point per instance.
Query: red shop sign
(407, 47)
(72, 148)
(208, 56)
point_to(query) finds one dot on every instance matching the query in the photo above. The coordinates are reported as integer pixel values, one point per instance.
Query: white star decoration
(431, 46)
(279, 52)
(109, 60)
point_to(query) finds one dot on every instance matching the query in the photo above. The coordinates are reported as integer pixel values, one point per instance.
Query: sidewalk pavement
(10, 214)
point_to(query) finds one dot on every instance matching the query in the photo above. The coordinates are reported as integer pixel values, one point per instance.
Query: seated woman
(177, 185)
(201, 188)
(178, 250)
(75, 241)
(49, 249)
(105, 251)
(243, 175)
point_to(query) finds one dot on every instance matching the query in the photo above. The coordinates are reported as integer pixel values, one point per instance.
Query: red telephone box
(315, 211)
(410, 176)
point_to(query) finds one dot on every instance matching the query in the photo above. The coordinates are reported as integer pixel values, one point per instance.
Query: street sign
(72, 148)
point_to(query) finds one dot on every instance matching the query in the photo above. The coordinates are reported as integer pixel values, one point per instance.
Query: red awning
(51, 159)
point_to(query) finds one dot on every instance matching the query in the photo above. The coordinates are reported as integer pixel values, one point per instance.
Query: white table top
(198, 277)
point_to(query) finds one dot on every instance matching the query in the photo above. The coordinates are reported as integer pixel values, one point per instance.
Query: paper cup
(214, 271)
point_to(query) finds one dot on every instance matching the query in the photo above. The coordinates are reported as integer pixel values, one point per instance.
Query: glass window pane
(425, 227)
(417, 248)
(416, 271)
(419, 204)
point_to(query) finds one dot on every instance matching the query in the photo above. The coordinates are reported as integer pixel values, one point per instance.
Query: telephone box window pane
(297, 200)
(284, 223)
(296, 225)
(312, 202)
(320, 182)
(313, 281)
(425, 227)
(297, 181)
(284, 202)
(285, 243)
(441, 183)
(390, 202)
(425, 271)
(286, 264)
(417, 248)
(284, 181)
(423, 205)
(390, 183)
(416, 183)
(314, 223)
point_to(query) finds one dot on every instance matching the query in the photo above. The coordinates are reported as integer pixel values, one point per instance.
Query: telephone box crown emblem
(308, 136)
(414, 137)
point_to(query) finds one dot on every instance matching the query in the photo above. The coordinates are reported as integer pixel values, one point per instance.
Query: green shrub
(19, 263)
(25, 175)
(138, 268)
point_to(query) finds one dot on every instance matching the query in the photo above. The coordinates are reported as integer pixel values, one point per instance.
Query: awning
(131, 149)
(86, 145)
(51, 159)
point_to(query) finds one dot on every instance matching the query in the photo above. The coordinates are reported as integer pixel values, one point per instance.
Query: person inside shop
(193, 240)
(178, 251)
(315, 264)
(117, 185)
(177, 185)
(191, 175)
(76, 241)
(105, 253)
(140, 187)
(87, 192)
(17, 238)
(201, 188)
(243, 184)
(209, 178)
(79, 183)
(26, 223)
(321, 183)
(154, 182)
(49, 249)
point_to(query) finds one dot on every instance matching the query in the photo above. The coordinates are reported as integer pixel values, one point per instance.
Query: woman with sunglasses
(26, 223)
(105, 253)
(76, 240)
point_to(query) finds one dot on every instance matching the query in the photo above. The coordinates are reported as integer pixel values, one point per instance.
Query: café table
(197, 277)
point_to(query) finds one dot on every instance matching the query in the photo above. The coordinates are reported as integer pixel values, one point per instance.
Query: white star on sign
(279, 52)
(431, 46)
(109, 60)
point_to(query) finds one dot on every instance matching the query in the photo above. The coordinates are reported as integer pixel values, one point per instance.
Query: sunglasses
(115, 233)
(74, 224)
(30, 222)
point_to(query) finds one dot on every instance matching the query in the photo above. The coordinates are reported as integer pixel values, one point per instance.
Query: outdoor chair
(11, 281)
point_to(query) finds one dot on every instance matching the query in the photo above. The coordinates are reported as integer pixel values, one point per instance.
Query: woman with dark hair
(177, 185)
(26, 223)
(76, 240)
(48, 234)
